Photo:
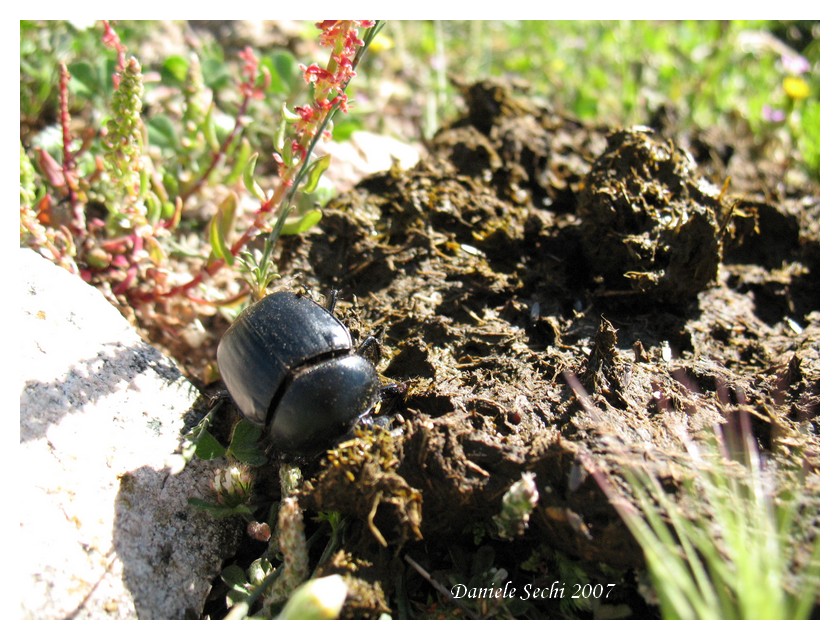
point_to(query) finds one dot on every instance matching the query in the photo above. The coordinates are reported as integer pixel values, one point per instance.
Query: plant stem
(68, 162)
(287, 196)
(219, 155)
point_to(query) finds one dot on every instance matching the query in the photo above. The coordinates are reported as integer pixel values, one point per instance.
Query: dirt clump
(649, 224)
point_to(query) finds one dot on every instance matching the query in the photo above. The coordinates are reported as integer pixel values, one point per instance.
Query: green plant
(146, 170)
(272, 586)
(621, 72)
(517, 505)
(293, 153)
(726, 553)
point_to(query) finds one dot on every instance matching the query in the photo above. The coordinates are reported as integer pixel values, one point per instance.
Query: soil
(566, 300)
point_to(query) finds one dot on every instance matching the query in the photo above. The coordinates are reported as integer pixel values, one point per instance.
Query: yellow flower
(382, 43)
(796, 88)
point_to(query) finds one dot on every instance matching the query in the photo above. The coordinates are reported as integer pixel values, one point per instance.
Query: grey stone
(105, 527)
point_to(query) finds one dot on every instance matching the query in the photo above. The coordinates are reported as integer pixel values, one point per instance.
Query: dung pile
(551, 294)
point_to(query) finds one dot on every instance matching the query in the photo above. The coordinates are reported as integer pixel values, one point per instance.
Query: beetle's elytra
(289, 364)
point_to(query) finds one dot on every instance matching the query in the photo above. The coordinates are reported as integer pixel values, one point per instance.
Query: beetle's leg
(393, 390)
(370, 344)
(391, 400)
(332, 299)
(219, 396)
(216, 401)
(393, 423)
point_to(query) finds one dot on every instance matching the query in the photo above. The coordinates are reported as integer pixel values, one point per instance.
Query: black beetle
(289, 364)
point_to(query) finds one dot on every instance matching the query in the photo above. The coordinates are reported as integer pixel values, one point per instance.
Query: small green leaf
(153, 207)
(174, 70)
(242, 156)
(287, 152)
(170, 183)
(208, 127)
(289, 116)
(284, 72)
(279, 137)
(345, 127)
(234, 576)
(162, 133)
(220, 227)
(87, 77)
(319, 599)
(314, 173)
(295, 226)
(206, 445)
(258, 570)
(144, 183)
(215, 73)
(248, 178)
(276, 85)
(244, 444)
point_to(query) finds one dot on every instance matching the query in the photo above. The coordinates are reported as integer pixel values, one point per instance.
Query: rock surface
(105, 527)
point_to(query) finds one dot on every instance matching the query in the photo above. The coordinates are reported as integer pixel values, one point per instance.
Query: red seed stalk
(68, 161)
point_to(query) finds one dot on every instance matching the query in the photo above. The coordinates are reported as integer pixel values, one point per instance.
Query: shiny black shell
(289, 364)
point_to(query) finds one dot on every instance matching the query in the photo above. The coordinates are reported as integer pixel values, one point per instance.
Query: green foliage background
(618, 72)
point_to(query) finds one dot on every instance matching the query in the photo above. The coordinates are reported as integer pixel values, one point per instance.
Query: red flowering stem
(68, 162)
(342, 69)
(112, 40)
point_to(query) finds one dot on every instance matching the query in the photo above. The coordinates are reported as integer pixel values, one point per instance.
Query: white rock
(105, 528)
(364, 154)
